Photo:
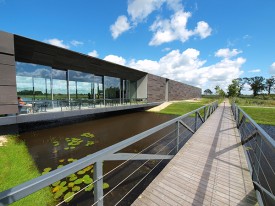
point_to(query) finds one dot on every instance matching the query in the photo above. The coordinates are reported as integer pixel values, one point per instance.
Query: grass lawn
(17, 166)
(180, 108)
(261, 115)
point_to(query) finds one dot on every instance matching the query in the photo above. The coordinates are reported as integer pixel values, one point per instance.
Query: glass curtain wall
(80, 85)
(98, 87)
(38, 82)
(59, 85)
(112, 87)
(33, 81)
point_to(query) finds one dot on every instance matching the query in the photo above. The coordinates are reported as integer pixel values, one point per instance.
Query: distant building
(38, 71)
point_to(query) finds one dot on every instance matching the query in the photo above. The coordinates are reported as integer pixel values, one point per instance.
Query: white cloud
(175, 28)
(272, 69)
(187, 67)
(76, 43)
(164, 30)
(203, 29)
(167, 30)
(121, 25)
(227, 53)
(138, 10)
(166, 49)
(93, 53)
(254, 71)
(57, 42)
(115, 59)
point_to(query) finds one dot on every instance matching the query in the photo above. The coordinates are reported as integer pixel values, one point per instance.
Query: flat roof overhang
(35, 52)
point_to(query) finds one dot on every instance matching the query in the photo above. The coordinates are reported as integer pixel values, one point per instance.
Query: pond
(57, 146)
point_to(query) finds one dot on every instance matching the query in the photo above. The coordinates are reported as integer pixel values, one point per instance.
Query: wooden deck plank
(210, 169)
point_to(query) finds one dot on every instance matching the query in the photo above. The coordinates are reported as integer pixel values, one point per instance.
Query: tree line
(257, 85)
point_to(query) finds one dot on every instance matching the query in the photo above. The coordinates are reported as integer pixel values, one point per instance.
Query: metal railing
(38, 106)
(259, 149)
(165, 140)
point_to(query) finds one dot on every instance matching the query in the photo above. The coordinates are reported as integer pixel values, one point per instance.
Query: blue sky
(203, 43)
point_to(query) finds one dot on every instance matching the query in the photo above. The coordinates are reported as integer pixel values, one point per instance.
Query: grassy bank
(261, 115)
(254, 102)
(17, 166)
(180, 108)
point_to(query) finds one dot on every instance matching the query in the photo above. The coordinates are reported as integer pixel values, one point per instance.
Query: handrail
(256, 152)
(29, 187)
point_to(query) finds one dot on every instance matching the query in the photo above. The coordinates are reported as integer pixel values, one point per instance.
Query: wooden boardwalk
(210, 169)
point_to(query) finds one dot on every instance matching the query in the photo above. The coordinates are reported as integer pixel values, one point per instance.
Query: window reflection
(38, 82)
(112, 87)
(32, 81)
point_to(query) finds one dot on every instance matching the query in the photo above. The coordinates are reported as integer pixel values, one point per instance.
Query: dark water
(47, 147)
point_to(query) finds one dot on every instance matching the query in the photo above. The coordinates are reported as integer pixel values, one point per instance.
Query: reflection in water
(53, 147)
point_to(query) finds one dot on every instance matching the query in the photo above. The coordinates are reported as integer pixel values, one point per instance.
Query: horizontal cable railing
(160, 143)
(259, 148)
(37, 106)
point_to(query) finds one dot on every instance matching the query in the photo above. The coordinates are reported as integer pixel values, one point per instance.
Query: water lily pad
(69, 196)
(58, 194)
(62, 184)
(70, 159)
(81, 172)
(90, 143)
(75, 188)
(87, 134)
(66, 148)
(71, 184)
(72, 147)
(86, 169)
(43, 173)
(64, 189)
(89, 188)
(73, 178)
(87, 179)
(47, 169)
(78, 181)
(61, 160)
(59, 166)
(56, 188)
(56, 183)
(105, 185)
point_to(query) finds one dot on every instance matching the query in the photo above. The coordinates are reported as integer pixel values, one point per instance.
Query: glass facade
(38, 82)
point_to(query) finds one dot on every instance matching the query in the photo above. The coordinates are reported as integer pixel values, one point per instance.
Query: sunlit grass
(17, 166)
(261, 115)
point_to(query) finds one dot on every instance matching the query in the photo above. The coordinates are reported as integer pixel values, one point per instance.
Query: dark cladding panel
(6, 45)
(31, 51)
(7, 75)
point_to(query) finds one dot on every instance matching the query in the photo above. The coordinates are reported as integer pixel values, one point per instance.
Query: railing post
(98, 186)
(204, 111)
(196, 119)
(178, 135)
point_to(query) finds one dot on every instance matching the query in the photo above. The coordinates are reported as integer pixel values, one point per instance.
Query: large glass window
(98, 87)
(112, 87)
(80, 85)
(59, 85)
(33, 81)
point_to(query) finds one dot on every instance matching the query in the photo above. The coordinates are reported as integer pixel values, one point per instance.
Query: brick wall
(156, 88)
(179, 91)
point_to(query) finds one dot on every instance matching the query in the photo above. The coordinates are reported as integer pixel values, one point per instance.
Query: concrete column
(8, 94)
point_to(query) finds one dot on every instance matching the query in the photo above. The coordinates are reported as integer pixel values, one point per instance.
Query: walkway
(210, 169)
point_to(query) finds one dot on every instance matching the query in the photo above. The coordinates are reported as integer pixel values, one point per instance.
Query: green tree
(256, 84)
(269, 84)
(240, 82)
(217, 88)
(221, 93)
(234, 88)
(208, 92)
